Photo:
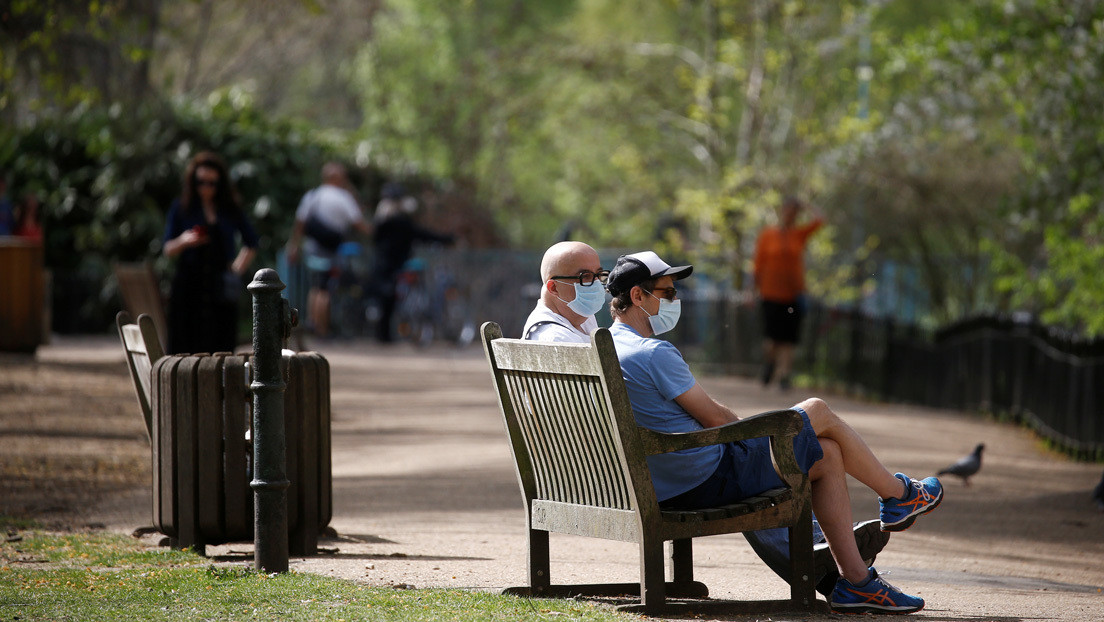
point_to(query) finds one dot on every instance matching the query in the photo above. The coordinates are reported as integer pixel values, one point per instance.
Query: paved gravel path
(425, 494)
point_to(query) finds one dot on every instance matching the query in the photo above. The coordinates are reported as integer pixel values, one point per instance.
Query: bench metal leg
(539, 564)
(802, 586)
(653, 594)
(682, 560)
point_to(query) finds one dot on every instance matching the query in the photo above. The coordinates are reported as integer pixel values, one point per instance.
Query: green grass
(111, 577)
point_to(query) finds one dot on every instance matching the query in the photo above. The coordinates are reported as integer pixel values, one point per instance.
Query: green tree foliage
(292, 56)
(958, 140)
(638, 123)
(985, 171)
(922, 181)
(1049, 57)
(61, 54)
(105, 177)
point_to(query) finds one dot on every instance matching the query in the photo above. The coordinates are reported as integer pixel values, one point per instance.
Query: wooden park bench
(197, 411)
(580, 459)
(142, 347)
(141, 295)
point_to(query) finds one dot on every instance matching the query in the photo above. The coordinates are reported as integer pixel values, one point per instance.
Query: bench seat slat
(750, 505)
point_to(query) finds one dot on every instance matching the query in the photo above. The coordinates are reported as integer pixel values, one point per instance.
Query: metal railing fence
(1014, 368)
(1011, 367)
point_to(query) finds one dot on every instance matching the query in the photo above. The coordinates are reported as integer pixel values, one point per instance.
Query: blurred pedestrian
(780, 279)
(202, 232)
(324, 218)
(7, 212)
(395, 234)
(27, 222)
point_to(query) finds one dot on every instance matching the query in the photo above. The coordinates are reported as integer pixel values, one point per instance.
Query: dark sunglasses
(207, 182)
(586, 277)
(669, 293)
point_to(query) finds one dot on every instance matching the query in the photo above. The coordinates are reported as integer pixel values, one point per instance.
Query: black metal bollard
(272, 320)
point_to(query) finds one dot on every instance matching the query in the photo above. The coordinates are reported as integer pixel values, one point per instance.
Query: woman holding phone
(202, 233)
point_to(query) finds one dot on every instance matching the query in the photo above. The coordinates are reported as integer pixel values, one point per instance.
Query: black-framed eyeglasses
(586, 277)
(669, 293)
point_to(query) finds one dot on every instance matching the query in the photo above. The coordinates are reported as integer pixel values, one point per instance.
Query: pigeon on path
(966, 466)
(1098, 494)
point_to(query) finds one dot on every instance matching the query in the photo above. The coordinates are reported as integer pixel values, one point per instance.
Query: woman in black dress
(201, 232)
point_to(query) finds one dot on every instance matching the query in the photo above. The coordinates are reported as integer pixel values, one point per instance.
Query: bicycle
(431, 307)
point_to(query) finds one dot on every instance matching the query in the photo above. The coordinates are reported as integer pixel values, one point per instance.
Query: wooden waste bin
(22, 295)
(202, 454)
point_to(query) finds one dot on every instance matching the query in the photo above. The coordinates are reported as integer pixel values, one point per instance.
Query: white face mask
(667, 316)
(589, 299)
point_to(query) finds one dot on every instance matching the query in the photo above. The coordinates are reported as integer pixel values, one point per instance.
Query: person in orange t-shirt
(779, 274)
(27, 223)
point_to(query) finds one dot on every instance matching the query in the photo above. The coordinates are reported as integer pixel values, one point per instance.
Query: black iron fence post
(889, 359)
(271, 325)
(855, 351)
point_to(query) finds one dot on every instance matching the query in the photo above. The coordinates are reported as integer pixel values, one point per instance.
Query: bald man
(573, 291)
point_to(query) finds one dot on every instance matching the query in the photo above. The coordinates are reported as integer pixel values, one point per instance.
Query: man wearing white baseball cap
(666, 398)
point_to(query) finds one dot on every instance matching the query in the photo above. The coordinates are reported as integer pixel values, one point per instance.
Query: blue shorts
(320, 267)
(746, 470)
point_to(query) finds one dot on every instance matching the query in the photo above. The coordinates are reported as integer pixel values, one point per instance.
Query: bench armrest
(785, 423)
(781, 425)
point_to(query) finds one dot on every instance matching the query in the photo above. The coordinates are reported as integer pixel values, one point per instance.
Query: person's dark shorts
(746, 470)
(782, 320)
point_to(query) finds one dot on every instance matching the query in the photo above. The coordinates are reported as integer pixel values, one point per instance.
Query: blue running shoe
(923, 496)
(874, 596)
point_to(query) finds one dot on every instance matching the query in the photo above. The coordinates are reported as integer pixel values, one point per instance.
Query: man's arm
(816, 221)
(708, 411)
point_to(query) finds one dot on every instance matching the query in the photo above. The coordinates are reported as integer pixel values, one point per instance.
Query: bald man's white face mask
(589, 299)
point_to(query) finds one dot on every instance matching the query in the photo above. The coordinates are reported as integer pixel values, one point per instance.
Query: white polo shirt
(546, 325)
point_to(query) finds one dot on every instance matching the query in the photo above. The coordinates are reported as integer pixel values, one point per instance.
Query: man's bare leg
(783, 356)
(769, 361)
(832, 506)
(858, 460)
(318, 303)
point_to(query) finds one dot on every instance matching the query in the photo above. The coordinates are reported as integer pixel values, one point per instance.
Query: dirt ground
(425, 494)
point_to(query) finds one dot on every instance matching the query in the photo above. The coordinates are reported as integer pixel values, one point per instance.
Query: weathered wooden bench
(142, 347)
(580, 459)
(197, 410)
(141, 295)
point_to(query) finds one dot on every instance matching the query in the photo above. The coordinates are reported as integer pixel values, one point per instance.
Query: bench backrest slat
(559, 414)
(143, 349)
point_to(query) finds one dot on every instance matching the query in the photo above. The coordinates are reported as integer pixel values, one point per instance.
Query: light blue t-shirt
(655, 374)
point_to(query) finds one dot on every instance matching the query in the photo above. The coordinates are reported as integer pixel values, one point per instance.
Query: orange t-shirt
(779, 261)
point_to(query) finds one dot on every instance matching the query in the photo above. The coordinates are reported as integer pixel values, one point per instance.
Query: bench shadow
(328, 553)
(100, 435)
(1051, 519)
(115, 369)
(467, 490)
